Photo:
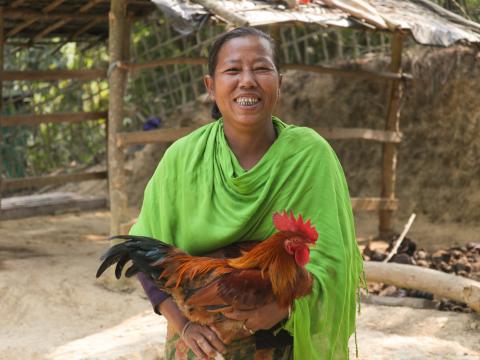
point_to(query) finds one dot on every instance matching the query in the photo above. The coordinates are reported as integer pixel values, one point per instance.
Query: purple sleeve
(154, 294)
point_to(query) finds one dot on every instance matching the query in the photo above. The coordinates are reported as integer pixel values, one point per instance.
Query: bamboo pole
(171, 134)
(38, 15)
(29, 22)
(389, 161)
(380, 75)
(33, 119)
(53, 75)
(117, 82)
(383, 75)
(2, 42)
(16, 3)
(39, 181)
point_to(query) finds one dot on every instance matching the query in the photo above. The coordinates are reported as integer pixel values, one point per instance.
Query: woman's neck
(249, 144)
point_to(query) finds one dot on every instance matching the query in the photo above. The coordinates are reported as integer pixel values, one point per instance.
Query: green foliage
(37, 150)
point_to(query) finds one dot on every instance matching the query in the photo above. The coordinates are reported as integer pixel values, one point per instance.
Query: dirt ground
(53, 308)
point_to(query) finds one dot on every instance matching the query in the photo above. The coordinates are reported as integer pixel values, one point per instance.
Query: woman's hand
(203, 341)
(262, 318)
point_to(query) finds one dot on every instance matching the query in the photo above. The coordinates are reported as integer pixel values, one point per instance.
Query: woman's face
(246, 84)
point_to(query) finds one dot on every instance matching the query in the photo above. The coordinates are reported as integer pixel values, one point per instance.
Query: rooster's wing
(238, 290)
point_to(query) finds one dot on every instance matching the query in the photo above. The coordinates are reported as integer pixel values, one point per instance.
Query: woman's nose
(247, 79)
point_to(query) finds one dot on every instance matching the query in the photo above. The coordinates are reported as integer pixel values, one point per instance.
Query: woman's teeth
(243, 101)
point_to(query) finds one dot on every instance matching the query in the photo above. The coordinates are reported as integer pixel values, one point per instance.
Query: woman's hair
(225, 37)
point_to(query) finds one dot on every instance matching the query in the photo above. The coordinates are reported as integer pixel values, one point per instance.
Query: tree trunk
(440, 284)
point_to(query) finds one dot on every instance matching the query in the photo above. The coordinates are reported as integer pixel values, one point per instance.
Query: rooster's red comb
(285, 222)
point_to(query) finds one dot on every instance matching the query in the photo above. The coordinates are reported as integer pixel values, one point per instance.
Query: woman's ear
(208, 81)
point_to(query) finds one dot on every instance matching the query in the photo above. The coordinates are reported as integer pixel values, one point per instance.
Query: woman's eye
(262, 68)
(231, 70)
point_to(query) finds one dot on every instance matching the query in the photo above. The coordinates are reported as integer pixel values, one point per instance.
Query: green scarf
(200, 199)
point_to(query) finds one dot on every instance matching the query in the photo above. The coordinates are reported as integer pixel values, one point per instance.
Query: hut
(421, 20)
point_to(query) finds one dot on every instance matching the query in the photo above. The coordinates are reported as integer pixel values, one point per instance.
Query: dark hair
(225, 37)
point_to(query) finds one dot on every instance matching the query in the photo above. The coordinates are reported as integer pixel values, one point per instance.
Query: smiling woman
(221, 184)
(244, 82)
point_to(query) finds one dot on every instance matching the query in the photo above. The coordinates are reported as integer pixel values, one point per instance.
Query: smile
(247, 101)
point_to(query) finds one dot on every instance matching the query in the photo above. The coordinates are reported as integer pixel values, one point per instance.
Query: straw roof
(80, 20)
(428, 23)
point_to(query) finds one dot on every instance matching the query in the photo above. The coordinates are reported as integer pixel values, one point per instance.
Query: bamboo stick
(29, 22)
(389, 162)
(440, 284)
(398, 242)
(37, 15)
(80, 31)
(52, 75)
(339, 36)
(172, 134)
(60, 23)
(381, 75)
(117, 82)
(49, 29)
(54, 4)
(39, 181)
(20, 27)
(153, 136)
(33, 119)
(16, 3)
(326, 55)
(386, 75)
(360, 133)
(2, 44)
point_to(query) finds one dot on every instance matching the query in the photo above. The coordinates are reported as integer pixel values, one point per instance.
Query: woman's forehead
(251, 48)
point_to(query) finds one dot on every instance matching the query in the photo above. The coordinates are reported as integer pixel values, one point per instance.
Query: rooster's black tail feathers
(141, 250)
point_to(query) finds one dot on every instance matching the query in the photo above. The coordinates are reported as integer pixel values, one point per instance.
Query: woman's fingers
(192, 343)
(206, 347)
(215, 340)
(203, 341)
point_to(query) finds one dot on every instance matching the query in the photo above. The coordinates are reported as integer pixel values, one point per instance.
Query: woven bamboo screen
(161, 91)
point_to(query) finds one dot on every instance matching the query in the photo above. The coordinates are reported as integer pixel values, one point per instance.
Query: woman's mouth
(247, 101)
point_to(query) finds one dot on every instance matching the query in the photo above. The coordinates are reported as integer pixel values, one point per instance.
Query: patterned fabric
(176, 349)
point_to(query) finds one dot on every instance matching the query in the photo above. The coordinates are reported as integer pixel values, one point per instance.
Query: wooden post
(274, 31)
(117, 82)
(2, 42)
(389, 162)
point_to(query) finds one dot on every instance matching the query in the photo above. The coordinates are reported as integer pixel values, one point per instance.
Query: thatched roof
(79, 20)
(83, 20)
(428, 23)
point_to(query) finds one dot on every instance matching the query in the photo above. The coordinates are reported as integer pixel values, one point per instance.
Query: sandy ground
(53, 308)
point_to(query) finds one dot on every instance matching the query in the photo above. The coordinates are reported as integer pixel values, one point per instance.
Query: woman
(221, 184)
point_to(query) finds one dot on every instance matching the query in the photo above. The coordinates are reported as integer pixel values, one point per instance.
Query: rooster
(205, 288)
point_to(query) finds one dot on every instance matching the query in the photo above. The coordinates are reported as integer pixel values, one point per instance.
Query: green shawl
(200, 199)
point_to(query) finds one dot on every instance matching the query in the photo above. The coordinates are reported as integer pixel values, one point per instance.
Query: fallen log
(440, 284)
